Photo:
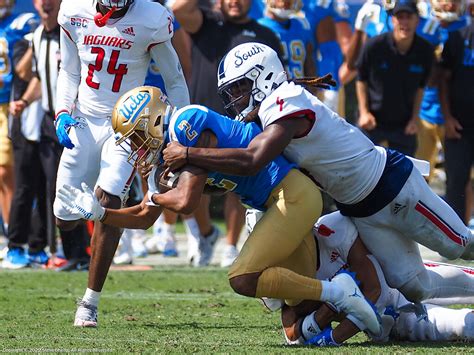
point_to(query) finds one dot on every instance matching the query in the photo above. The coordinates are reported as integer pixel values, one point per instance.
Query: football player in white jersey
(340, 248)
(106, 48)
(381, 190)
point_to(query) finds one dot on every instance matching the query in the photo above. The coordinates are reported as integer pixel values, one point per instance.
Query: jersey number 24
(118, 70)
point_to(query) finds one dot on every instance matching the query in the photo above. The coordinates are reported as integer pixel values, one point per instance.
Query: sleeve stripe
(67, 32)
(151, 45)
(310, 114)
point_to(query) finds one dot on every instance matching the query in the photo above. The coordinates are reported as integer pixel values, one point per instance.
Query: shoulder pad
(186, 123)
(27, 22)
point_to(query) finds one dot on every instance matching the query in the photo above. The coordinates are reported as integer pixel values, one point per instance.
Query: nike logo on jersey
(129, 31)
(110, 41)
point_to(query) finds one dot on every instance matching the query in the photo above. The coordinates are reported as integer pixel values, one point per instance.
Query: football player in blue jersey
(326, 50)
(12, 29)
(372, 19)
(437, 19)
(295, 36)
(164, 239)
(277, 257)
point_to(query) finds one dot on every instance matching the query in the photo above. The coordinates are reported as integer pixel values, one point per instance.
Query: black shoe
(81, 264)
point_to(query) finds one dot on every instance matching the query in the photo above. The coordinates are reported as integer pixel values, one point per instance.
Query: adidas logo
(397, 208)
(129, 31)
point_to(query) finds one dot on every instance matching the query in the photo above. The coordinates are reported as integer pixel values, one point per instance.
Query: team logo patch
(133, 105)
(79, 22)
(129, 31)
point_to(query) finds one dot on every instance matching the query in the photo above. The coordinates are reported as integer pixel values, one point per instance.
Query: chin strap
(101, 20)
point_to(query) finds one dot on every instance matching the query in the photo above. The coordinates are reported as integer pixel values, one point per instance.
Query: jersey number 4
(118, 70)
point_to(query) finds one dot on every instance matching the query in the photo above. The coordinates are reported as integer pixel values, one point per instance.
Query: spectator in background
(457, 102)
(45, 157)
(435, 24)
(295, 37)
(13, 28)
(213, 34)
(25, 134)
(393, 70)
(326, 50)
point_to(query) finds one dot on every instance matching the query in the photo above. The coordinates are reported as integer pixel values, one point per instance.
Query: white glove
(388, 322)
(84, 202)
(367, 14)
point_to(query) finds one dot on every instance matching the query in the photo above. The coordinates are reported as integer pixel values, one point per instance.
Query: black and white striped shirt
(47, 58)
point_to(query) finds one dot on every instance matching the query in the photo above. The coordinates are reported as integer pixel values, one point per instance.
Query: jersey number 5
(118, 70)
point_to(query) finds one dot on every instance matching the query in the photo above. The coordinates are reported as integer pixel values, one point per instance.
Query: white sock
(192, 228)
(5, 228)
(157, 226)
(92, 297)
(168, 228)
(331, 292)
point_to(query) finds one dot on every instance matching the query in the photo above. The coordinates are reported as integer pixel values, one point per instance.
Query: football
(168, 180)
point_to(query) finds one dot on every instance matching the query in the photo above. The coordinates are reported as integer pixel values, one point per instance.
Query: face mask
(283, 13)
(448, 16)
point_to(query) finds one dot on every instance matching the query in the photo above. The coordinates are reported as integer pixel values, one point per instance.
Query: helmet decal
(240, 58)
(133, 105)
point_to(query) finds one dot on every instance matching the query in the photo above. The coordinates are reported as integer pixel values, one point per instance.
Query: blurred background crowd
(404, 73)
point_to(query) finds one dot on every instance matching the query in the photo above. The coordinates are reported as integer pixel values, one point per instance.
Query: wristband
(25, 101)
(102, 218)
(150, 199)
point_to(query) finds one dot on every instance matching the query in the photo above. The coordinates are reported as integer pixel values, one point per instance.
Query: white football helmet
(118, 4)
(388, 4)
(284, 9)
(448, 10)
(246, 75)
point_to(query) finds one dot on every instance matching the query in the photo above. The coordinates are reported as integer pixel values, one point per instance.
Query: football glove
(63, 124)
(84, 202)
(367, 13)
(323, 339)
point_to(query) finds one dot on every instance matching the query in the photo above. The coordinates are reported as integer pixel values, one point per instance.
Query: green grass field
(166, 310)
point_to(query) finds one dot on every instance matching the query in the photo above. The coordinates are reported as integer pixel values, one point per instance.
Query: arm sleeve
(69, 74)
(168, 63)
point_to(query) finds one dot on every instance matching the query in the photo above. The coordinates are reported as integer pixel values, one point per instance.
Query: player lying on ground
(340, 248)
(291, 200)
(379, 189)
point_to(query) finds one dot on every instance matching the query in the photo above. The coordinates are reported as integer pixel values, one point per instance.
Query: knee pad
(418, 288)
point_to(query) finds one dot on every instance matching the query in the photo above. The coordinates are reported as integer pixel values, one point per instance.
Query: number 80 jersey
(115, 58)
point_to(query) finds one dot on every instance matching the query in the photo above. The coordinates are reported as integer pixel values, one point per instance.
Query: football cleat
(16, 259)
(230, 254)
(39, 257)
(86, 315)
(354, 303)
(124, 253)
(206, 248)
